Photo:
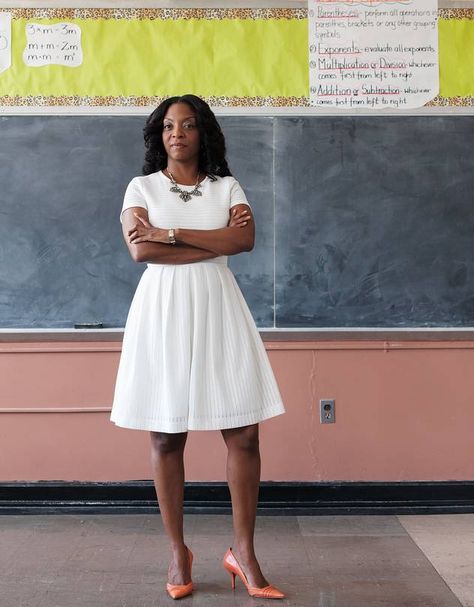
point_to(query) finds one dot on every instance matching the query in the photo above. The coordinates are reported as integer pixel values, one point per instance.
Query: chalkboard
(361, 221)
(375, 221)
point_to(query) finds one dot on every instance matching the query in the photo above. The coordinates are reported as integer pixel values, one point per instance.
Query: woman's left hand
(143, 231)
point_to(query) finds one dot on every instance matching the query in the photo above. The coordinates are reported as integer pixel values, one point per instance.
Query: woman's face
(180, 133)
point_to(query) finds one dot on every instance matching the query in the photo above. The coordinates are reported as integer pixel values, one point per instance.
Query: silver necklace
(183, 194)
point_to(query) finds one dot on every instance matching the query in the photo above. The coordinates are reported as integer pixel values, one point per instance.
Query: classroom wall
(404, 409)
(403, 412)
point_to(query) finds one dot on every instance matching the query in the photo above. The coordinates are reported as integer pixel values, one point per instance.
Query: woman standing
(192, 358)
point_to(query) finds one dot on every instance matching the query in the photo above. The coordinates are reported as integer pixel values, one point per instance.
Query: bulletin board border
(191, 13)
(11, 104)
(456, 13)
(145, 101)
(159, 13)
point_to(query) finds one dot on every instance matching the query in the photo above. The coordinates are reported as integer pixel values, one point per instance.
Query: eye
(189, 125)
(166, 127)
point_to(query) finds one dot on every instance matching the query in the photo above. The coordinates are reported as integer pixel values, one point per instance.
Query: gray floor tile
(122, 561)
(350, 525)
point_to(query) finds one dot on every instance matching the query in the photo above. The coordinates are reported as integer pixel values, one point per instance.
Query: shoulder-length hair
(212, 150)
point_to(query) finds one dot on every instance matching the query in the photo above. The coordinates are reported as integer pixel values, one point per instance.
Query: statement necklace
(183, 194)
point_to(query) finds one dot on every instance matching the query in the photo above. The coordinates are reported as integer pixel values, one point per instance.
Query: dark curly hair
(212, 150)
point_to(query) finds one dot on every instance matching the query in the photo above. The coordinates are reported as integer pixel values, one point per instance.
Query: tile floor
(319, 561)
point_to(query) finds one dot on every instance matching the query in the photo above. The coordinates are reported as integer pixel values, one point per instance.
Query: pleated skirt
(192, 357)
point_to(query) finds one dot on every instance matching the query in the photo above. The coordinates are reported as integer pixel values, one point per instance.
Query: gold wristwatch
(171, 237)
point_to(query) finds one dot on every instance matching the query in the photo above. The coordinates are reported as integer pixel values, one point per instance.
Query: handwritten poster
(5, 41)
(58, 43)
(373, 54)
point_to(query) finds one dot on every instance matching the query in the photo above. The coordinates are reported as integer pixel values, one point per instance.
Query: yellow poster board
(230, 57)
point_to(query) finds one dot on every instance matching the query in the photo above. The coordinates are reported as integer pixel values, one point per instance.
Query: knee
(243, 439)
(163, 443)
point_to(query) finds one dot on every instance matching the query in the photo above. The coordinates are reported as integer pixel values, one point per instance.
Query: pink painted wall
(404, 411)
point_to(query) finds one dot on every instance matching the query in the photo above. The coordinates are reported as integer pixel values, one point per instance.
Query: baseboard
(285, 498)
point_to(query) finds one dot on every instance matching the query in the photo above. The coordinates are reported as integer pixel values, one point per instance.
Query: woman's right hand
(238, 219)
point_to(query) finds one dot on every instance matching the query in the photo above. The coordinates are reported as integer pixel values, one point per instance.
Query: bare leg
(243, 476)
(167, 452)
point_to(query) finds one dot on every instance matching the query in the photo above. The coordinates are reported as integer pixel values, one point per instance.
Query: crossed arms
(147, 243)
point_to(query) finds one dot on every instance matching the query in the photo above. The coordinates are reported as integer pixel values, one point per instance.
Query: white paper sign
(58, 43)
(5, 41)
(373, 54)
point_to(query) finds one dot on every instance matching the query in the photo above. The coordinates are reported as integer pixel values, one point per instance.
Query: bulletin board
(136, 57)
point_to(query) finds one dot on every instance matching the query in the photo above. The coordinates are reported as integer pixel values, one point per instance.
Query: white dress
(192, 357)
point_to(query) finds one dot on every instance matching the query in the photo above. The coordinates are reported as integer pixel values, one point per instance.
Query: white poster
(5, 41)
(373, 54)
(58, 43)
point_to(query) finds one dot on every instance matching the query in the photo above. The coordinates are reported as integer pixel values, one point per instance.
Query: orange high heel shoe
(231, 564)
(178, 591)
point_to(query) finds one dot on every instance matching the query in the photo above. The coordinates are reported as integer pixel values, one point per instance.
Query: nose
(177, 131)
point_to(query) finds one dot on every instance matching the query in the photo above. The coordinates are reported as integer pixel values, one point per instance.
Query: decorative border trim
(451, 102)
(159, 13)
(133, 101)
(456, 13)
(190, 13)
(144, 101)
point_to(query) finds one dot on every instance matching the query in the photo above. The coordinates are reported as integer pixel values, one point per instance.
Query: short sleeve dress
(192, 357)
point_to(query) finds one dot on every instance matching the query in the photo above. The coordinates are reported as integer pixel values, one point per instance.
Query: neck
(185, 174)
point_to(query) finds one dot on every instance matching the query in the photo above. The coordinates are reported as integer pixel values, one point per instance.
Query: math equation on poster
(373, 54)
(54, 44)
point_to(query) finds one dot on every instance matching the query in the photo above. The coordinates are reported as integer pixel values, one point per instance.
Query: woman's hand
(143, 231)
(238, 219)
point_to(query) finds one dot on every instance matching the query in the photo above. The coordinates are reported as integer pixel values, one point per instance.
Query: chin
(181, 156)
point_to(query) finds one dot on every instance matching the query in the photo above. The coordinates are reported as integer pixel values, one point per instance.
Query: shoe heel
(232, 566)
(232, 577)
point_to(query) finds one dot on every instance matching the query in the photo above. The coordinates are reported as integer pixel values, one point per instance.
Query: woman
(192, 358)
